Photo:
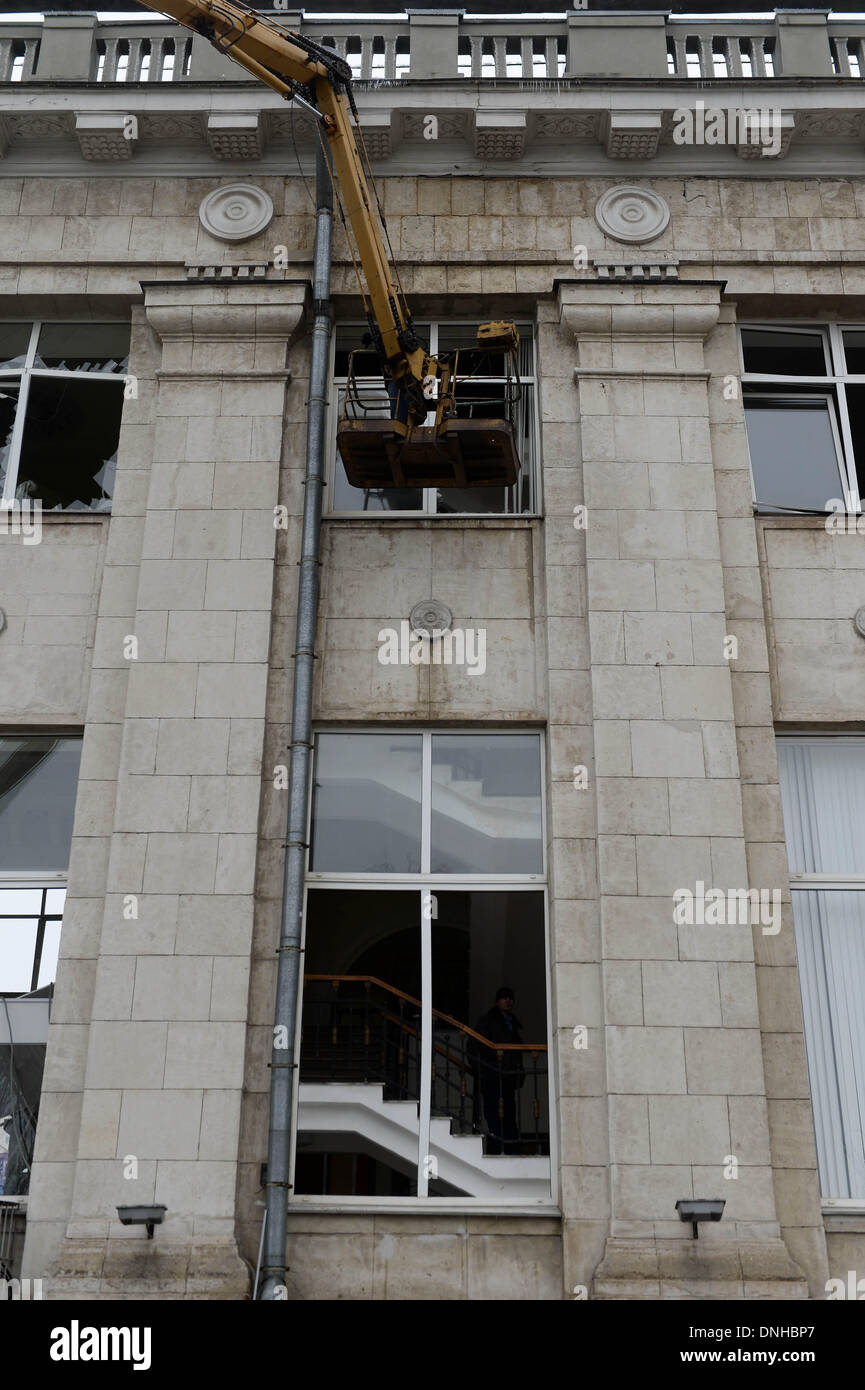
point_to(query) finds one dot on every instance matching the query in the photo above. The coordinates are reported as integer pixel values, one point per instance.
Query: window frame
(426, 511)
(24, 375)
(765, 508)
(837, 882)
(41, 879)
(423, 879)
(833, 384)
(42, 917)
(424, 885)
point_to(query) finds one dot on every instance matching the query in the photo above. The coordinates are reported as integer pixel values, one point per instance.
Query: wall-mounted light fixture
(697, 1209)
(141, 1216)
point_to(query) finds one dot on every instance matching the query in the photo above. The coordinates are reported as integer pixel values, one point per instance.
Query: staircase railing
(371, 1033)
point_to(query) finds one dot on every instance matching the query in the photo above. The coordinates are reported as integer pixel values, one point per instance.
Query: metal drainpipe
(283, 1061)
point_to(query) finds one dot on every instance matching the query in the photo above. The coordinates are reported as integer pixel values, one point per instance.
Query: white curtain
(823, 797)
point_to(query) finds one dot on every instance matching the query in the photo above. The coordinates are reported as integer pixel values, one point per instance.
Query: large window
(823, 794)
(38, 782)
(486, 385)
(61, 396)
(804, 399)
(424, 1057)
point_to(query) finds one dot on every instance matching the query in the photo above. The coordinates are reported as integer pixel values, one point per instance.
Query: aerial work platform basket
(458, 453)
(466, 439)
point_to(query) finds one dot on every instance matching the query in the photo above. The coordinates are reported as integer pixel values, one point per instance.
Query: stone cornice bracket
(106, 136)
(236, 135)
(682, 309)
(631, 134)
(634, 327)
(195, 319)
(378, 135)
(500, 134)
(769, 140)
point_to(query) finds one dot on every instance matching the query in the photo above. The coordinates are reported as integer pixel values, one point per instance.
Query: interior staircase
(389, 1129)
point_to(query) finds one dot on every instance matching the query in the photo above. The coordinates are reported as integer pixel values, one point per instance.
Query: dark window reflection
(8, 404)
(780, 352)
(360, 1036)
(38, 782)
(856, 412)
(83, 347)
(14, 342)
(69, 451)
(854, 351)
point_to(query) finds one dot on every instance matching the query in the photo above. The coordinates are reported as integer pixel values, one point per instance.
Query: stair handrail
(462, 1027)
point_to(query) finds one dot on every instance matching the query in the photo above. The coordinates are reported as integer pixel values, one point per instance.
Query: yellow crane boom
(454, 451)
(286, 62)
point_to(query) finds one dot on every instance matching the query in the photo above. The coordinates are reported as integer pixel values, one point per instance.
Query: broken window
(61, 398)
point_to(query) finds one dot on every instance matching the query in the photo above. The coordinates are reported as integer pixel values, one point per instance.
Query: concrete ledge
(147, 1269)
(674, 1269)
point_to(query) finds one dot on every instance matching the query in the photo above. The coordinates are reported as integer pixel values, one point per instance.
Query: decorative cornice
(676, 310)
(822, 129)
(632, 134)
(638, 268)
(236, 135)
(106, 136)
(500, 134)
(241, 270)
(185, 312)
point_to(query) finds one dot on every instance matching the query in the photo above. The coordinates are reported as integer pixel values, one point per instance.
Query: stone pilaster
(161, 1085)
(685, 1084)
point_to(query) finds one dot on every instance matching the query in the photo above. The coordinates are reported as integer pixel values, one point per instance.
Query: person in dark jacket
(500, 1075)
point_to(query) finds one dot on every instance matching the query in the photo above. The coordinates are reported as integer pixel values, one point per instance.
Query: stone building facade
(552, 192)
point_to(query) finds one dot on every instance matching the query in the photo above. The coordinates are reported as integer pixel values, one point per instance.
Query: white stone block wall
(162, 1075)
(610, 635)
(684, 1070)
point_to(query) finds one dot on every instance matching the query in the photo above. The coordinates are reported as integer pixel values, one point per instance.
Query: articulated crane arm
(461, 452)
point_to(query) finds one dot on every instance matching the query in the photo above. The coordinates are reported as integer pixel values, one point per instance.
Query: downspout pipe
(284, 1063)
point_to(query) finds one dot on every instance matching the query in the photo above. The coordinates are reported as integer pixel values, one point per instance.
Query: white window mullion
(429, 502)
(426, 1036)
(837, 359)
(426, 802)
(11, 480)
(426, 900)
(851, 484)
(851, 487)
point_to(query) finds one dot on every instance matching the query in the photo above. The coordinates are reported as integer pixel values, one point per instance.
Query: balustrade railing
(18, 54)
(451, 45)
(379, 53)
(847, 48)
(153, 57)
(706, 51)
